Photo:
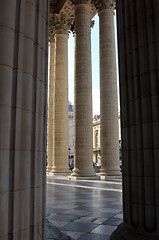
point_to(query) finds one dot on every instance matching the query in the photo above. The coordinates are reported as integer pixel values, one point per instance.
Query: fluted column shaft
(23, 97)
(139, 84)
(108, 95)
(83, 165)
(60, 160)
(51, 105)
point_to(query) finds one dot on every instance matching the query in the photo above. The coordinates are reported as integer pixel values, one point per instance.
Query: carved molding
(51, 36)
(51, 33)
(104, 4)
(69, 10)
(60, 24)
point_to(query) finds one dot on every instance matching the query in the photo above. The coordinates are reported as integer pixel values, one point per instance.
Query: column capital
(60, 24)
(75, 2)
(51, 32)
(51, 35)
(104, 4)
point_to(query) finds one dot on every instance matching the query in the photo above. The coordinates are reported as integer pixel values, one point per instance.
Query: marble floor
(82, 210)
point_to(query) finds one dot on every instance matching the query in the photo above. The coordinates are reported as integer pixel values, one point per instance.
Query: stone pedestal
(51, 105)
(139, 65)
(108, 92)
(60, 160)
(23, 88)
(83, 138)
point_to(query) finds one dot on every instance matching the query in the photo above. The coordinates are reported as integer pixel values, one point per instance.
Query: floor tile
(100, 214)
(109, 210)
(100, 220)
(76, 212)
(85, 219)
(119, 215)
(79, 227)
(64, 206)
(113, 221)
(94, 236)
(58, 224)
(74, 235)
(63, 217)
(57, 210)
(104, 229)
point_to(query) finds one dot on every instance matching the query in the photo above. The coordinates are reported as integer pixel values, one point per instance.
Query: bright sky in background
(95, 67)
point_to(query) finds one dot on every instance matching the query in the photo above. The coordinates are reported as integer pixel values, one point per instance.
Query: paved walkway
(82, 210)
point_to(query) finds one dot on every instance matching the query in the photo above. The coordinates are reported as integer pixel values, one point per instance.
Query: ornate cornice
(104, 4)
(60, 24)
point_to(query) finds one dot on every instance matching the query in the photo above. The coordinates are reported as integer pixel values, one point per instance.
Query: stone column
(60, 160)
(83, 138)
(23, 88)
(51, 102)
(108, 91)
(139, 90)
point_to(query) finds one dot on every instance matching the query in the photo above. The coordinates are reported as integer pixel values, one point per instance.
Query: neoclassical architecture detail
(61, 24)
(83, 165)
(51, 103)
(92, 10)
(23, 118)
(108, 91)
(104, 4)
(60, 119)
(139, 91)
(24, 41)
(51, 35)
(72, 28)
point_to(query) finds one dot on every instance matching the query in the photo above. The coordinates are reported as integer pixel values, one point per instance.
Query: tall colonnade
(23, 107)
(83, 126)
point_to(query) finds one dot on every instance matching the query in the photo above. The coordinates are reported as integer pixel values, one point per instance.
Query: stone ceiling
(65, 7)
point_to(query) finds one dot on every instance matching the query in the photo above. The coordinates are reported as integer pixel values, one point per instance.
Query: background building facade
(96, 140)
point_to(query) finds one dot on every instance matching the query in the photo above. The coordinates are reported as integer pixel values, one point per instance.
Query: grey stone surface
(54, 233)
(92, 212)
(94, 236)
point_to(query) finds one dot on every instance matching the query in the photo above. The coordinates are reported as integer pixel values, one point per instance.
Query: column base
(60, 171)
(83, 175)
(48, 169)
(106, 175)
(123, 233)
(109, 177)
